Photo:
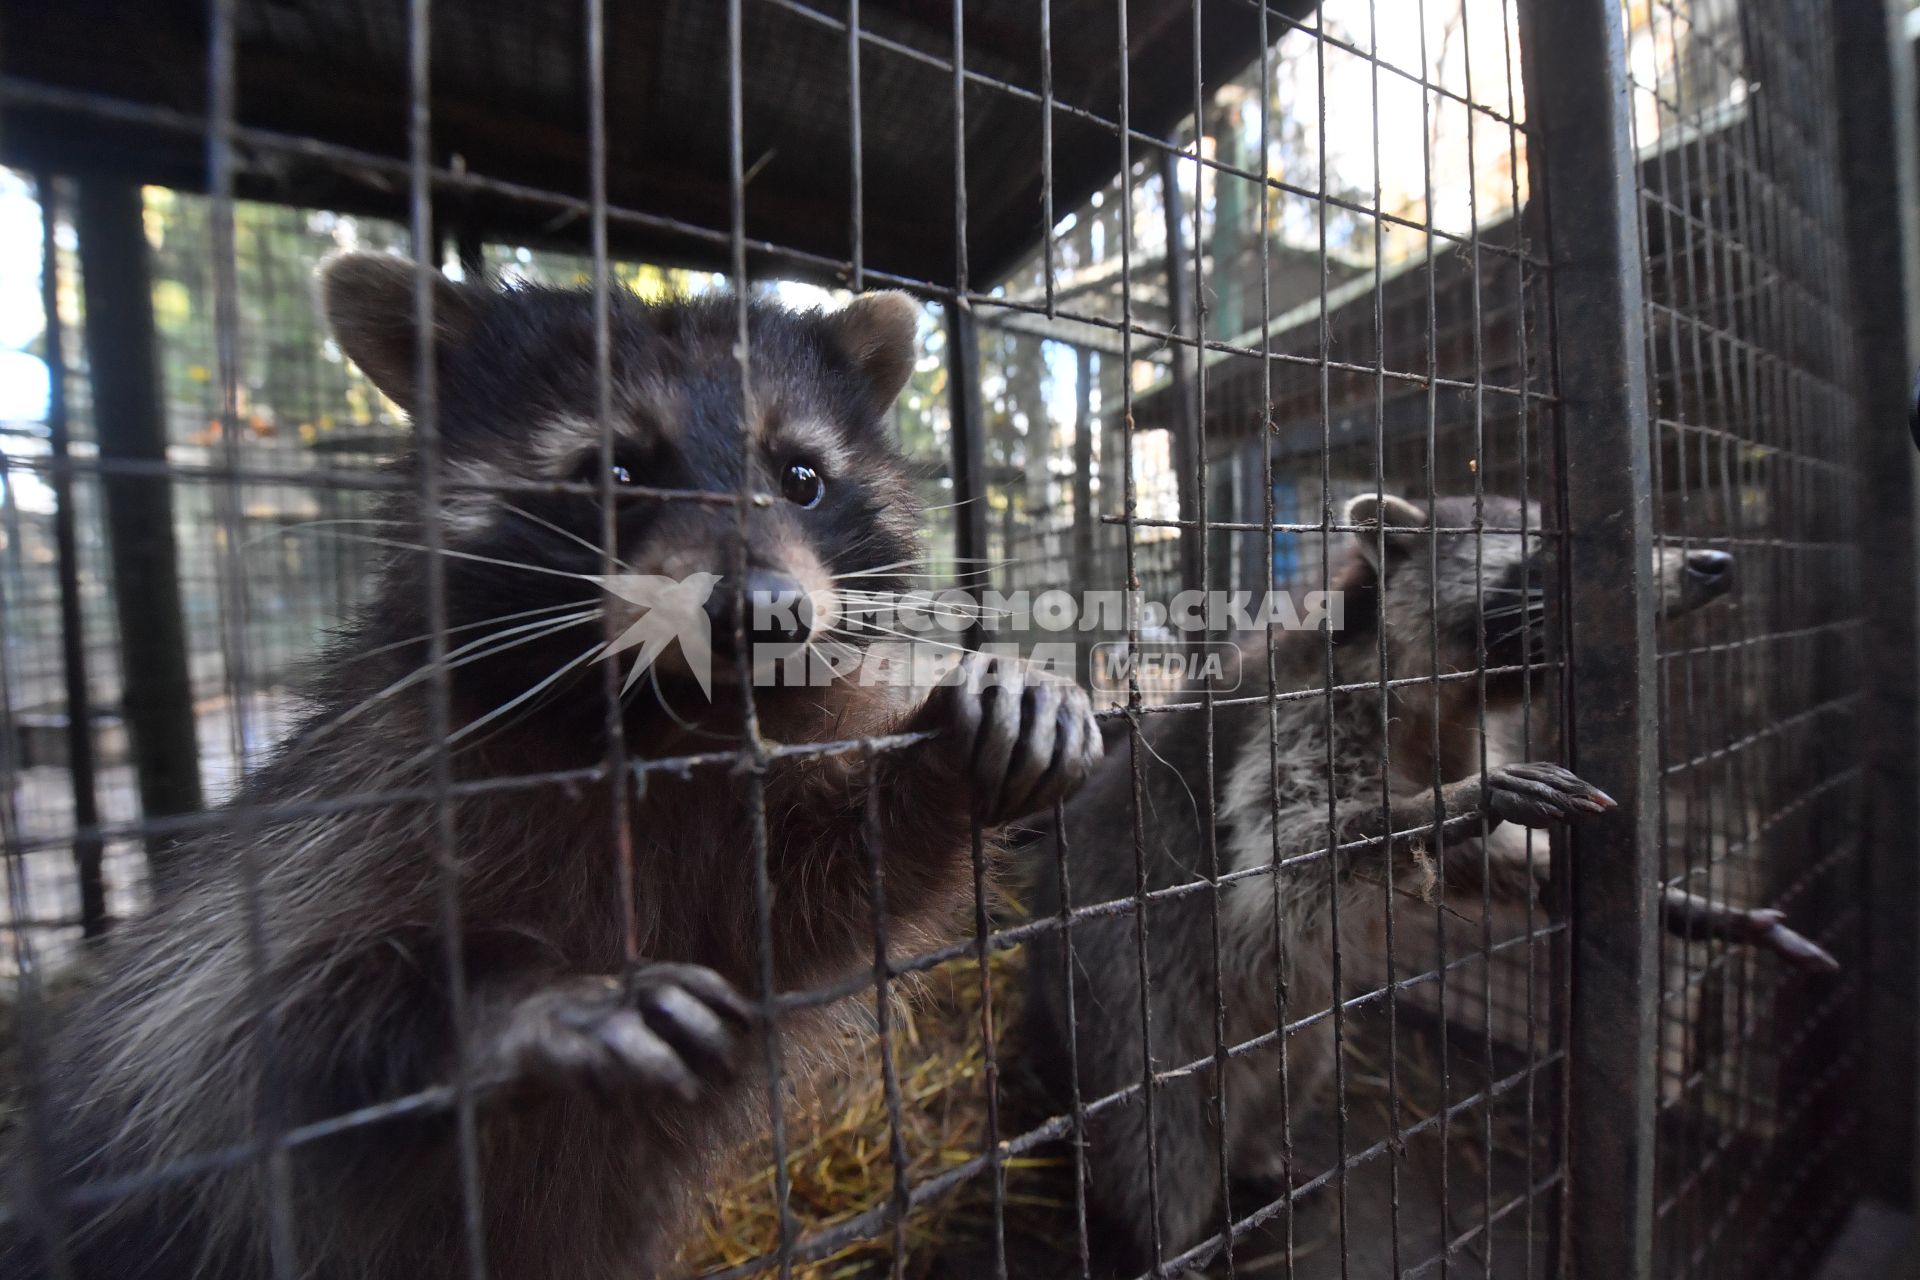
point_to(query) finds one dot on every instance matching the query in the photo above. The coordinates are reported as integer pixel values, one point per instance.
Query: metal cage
(1193, 275)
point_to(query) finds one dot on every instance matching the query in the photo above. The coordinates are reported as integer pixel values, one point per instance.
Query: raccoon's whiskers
(304, 525)
(861, 609)
(927, 594)
(467, 626)
(526, 631)
(902, 635)
(470, 652)
(831, 646)
(515, 701)
(963, 579)
(660, 696)
(918, 602)
(917, 561)
(590, 545)
(404, 545)
(874, 570)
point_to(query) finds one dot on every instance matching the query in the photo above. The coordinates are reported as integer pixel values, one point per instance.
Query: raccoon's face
(530, 596)
(1691, 577)
(1456, 592)
(1444, 596)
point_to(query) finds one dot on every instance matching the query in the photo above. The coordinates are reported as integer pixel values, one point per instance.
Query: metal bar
(1047, 214)
(751, 761)
(1535, 1149)
(449, 869)
(1874, 75)
(130, 423)
(1085, 525)
(969, 477)
(1275, 906)
(268, 1122)
(1574, 67)
(1479, 328)
(968, 440)
(1183, 319)
(1130, 493)
(1431, 330)
(1076, 1108)
(856, 177)
(35, 1190)
(1197, 573)
(73, 645)
(620, 784)
(900, 1202)
(1323, 344)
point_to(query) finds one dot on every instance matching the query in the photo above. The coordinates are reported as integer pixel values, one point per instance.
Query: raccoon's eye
(802, 485)
(623, 471)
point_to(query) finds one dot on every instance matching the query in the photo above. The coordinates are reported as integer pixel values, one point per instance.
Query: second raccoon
(1416, 604)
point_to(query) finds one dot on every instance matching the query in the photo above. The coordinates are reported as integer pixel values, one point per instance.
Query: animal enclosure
(1560, 309)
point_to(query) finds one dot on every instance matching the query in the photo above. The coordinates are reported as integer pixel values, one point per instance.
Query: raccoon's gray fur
(609, 1086)
(1318, 784)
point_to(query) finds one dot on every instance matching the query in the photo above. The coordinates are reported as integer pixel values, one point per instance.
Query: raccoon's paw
(1533, 795)
(662, 1026)
(1021, 737)
(1766, 928)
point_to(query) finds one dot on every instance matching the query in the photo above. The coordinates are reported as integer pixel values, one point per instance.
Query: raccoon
(1317, 787)
(594, 970)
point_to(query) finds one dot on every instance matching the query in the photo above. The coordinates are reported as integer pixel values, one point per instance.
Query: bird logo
(671, 609)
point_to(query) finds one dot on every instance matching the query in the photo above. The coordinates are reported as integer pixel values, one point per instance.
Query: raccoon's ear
(367, 300)
(877, 331)
(1370, 511)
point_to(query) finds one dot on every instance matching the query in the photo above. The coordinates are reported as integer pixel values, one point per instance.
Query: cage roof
(321, 88)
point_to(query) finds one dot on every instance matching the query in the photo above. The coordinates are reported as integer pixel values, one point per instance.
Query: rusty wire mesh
(1326, 279)
(1755, 425)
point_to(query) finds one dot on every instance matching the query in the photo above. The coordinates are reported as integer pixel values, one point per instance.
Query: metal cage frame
(1646, 285)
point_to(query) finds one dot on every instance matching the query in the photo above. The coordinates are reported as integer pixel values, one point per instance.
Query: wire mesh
(1753, 396)
(1280, 992)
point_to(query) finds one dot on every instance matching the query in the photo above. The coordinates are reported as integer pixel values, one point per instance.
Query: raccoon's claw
(1696, 918)
(1768, 930)
(662, 1026)
(1023, 739)
(1533, 795)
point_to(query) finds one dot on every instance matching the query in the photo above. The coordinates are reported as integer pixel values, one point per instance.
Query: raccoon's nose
(1709, 568)
(779, 612)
